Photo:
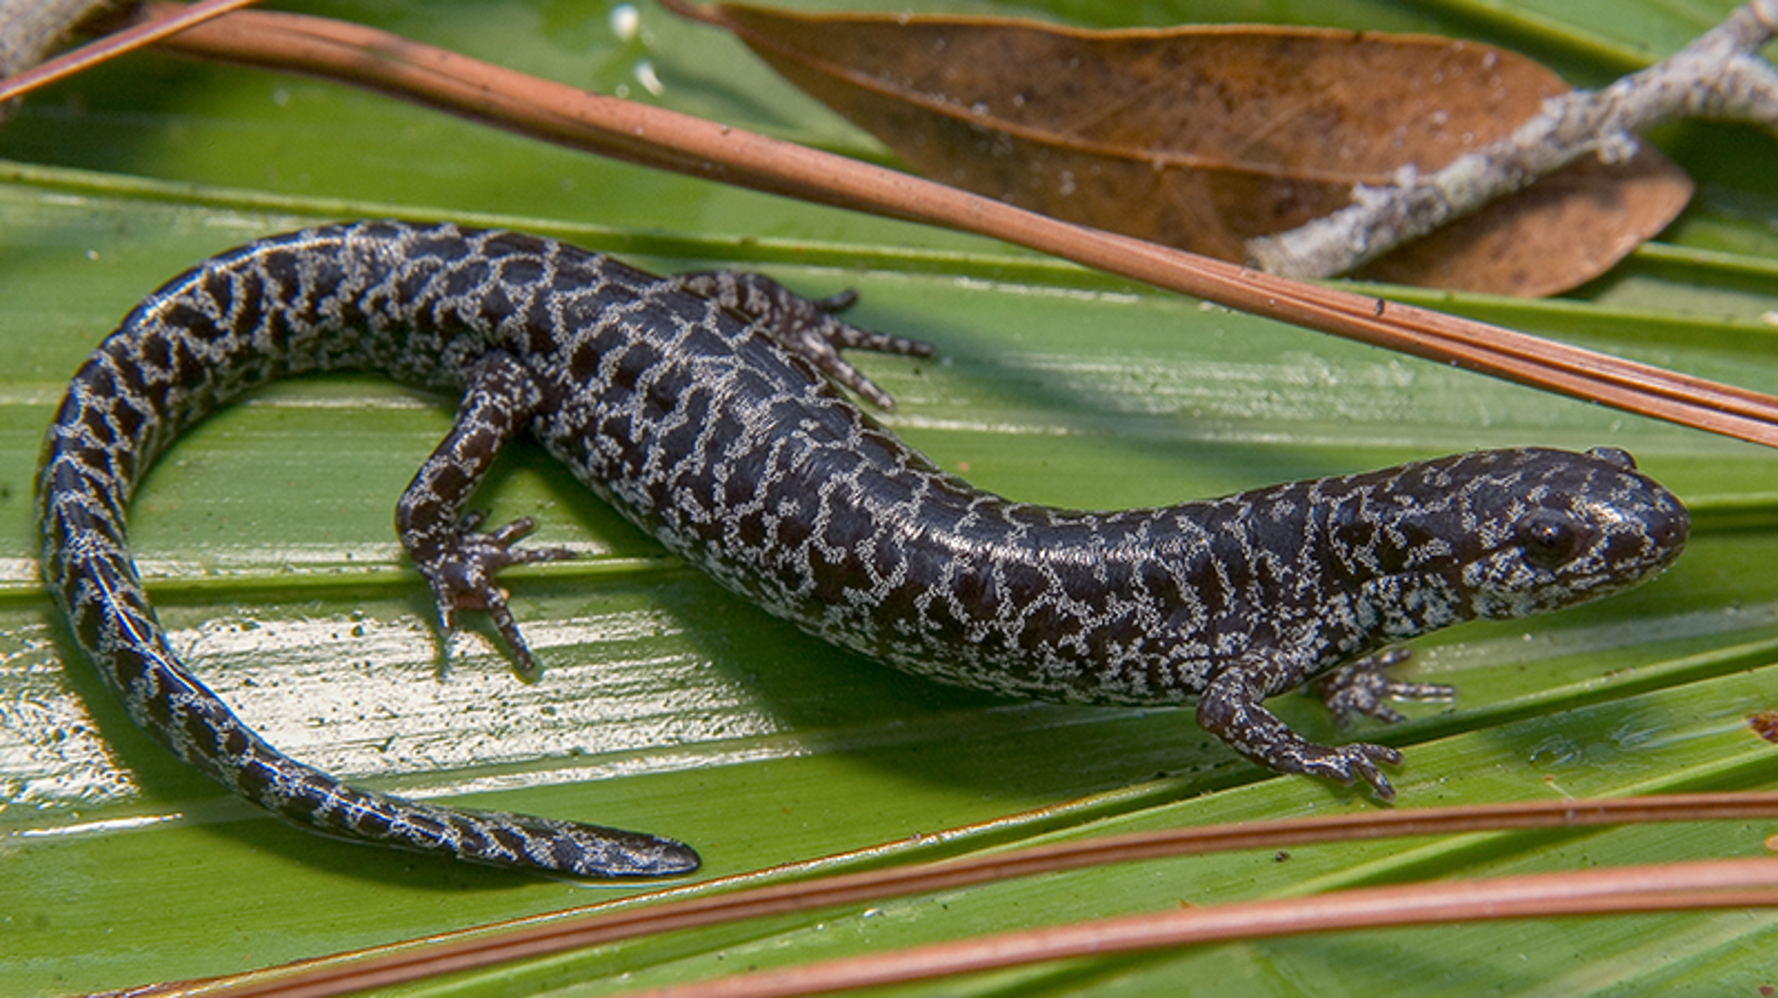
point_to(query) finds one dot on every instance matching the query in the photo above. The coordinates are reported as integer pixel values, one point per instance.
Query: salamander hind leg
(459, 560)
(1231, 709)
(811, 329)
(1360, 687)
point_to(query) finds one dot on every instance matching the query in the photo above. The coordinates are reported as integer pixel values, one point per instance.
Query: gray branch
(30, 28)
(1719, 75)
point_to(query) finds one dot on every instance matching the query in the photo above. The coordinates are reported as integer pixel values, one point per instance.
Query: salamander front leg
(808, 328)
(458, 560)
(1360, 688)
(1230, 708)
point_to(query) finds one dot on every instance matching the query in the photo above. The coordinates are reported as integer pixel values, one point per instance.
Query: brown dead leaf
(1204, 137)
(638, 133)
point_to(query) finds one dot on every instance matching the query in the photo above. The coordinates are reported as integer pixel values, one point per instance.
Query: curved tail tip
(609, 853)
(677, 857)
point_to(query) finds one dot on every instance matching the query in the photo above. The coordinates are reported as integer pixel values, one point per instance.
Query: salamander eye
(1550, 538)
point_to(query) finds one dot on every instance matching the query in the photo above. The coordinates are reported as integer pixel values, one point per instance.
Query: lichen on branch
(1719, 76)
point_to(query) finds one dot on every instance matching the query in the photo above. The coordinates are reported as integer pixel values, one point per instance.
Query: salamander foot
(462, 578)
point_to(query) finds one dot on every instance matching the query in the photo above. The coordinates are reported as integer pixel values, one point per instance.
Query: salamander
(704, 408)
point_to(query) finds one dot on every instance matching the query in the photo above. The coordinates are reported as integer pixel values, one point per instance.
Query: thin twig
(30, 28)
(113, 45)
(652, 136)
(696, 907)
(1746, 883)
(1719, 75)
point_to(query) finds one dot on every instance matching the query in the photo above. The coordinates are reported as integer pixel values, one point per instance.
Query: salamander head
(1545, 529)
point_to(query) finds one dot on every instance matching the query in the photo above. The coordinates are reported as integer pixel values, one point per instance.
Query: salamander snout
(1664, 518)
(1571, 528)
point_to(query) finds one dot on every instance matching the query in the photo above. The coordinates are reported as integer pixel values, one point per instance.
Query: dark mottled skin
(705, 429)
